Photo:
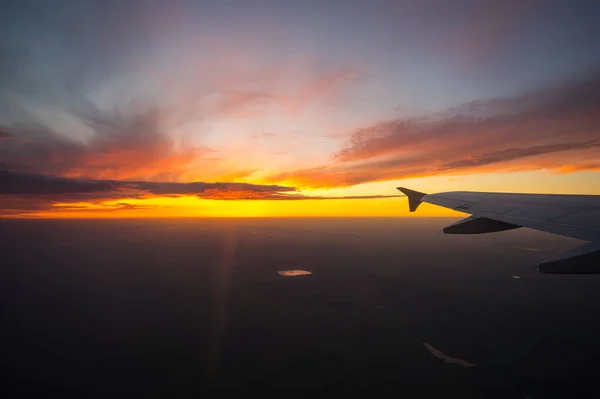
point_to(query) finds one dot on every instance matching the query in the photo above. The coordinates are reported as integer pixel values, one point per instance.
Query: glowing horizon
(292, 110)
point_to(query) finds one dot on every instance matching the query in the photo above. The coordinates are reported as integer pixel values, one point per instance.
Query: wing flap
(540, 213)
(491, 206)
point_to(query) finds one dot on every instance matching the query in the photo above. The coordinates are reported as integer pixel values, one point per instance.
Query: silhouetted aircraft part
(414, 198)
(478, 225)
(580, 260)
(576, 216)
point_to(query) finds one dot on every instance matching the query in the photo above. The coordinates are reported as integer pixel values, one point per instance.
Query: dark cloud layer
(556, 128)
(17, 183)
(26, 192)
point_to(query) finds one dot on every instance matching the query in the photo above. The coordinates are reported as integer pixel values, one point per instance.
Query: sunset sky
(292, 108)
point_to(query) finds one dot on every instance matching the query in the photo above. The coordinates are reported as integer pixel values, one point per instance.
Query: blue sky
(424, 54)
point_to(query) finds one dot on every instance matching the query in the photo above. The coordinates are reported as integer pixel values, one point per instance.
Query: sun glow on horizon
(192, 207)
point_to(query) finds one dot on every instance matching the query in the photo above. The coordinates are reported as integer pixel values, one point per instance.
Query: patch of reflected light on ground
(293, 273)
(531, 249)
(437, 353)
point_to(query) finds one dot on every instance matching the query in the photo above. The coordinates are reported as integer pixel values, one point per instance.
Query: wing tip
(414, 197)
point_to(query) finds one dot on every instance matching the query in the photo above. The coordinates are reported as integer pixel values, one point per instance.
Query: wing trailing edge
(584, 259)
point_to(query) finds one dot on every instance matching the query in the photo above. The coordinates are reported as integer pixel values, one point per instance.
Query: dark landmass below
(182, 308)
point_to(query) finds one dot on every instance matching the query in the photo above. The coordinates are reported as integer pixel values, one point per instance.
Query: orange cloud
(556, 128)
(130, 145)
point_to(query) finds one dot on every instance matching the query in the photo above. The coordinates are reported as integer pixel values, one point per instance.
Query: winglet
(414, 198)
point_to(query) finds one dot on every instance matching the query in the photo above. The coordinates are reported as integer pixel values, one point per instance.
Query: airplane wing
(576, 216)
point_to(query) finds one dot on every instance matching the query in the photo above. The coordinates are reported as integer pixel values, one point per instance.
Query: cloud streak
(18, 183)
(556, 128)
(26, 192)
